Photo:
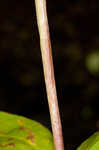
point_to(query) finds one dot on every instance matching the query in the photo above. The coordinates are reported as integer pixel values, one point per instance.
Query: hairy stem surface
(46, 52)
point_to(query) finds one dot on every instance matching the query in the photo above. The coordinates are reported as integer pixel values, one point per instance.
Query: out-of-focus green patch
(87, 113)
(92, 62)
(20, 133)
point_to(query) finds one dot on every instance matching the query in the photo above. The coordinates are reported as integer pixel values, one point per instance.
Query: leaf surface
(20, 133)
(92, 143)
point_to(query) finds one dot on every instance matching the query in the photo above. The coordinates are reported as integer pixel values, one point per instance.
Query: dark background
(74, 29)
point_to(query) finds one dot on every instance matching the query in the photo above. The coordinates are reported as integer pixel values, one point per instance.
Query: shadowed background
(74, 29)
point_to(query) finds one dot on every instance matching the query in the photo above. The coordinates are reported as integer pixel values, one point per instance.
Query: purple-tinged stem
(46, 52)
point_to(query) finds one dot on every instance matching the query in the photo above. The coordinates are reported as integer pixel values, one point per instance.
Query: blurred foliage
(92, 62)
(87, 113)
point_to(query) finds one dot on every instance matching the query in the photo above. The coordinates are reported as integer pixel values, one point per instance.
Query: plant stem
(46, 52)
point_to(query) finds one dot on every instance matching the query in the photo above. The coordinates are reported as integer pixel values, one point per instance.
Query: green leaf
(20, 133)
(92, 143)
